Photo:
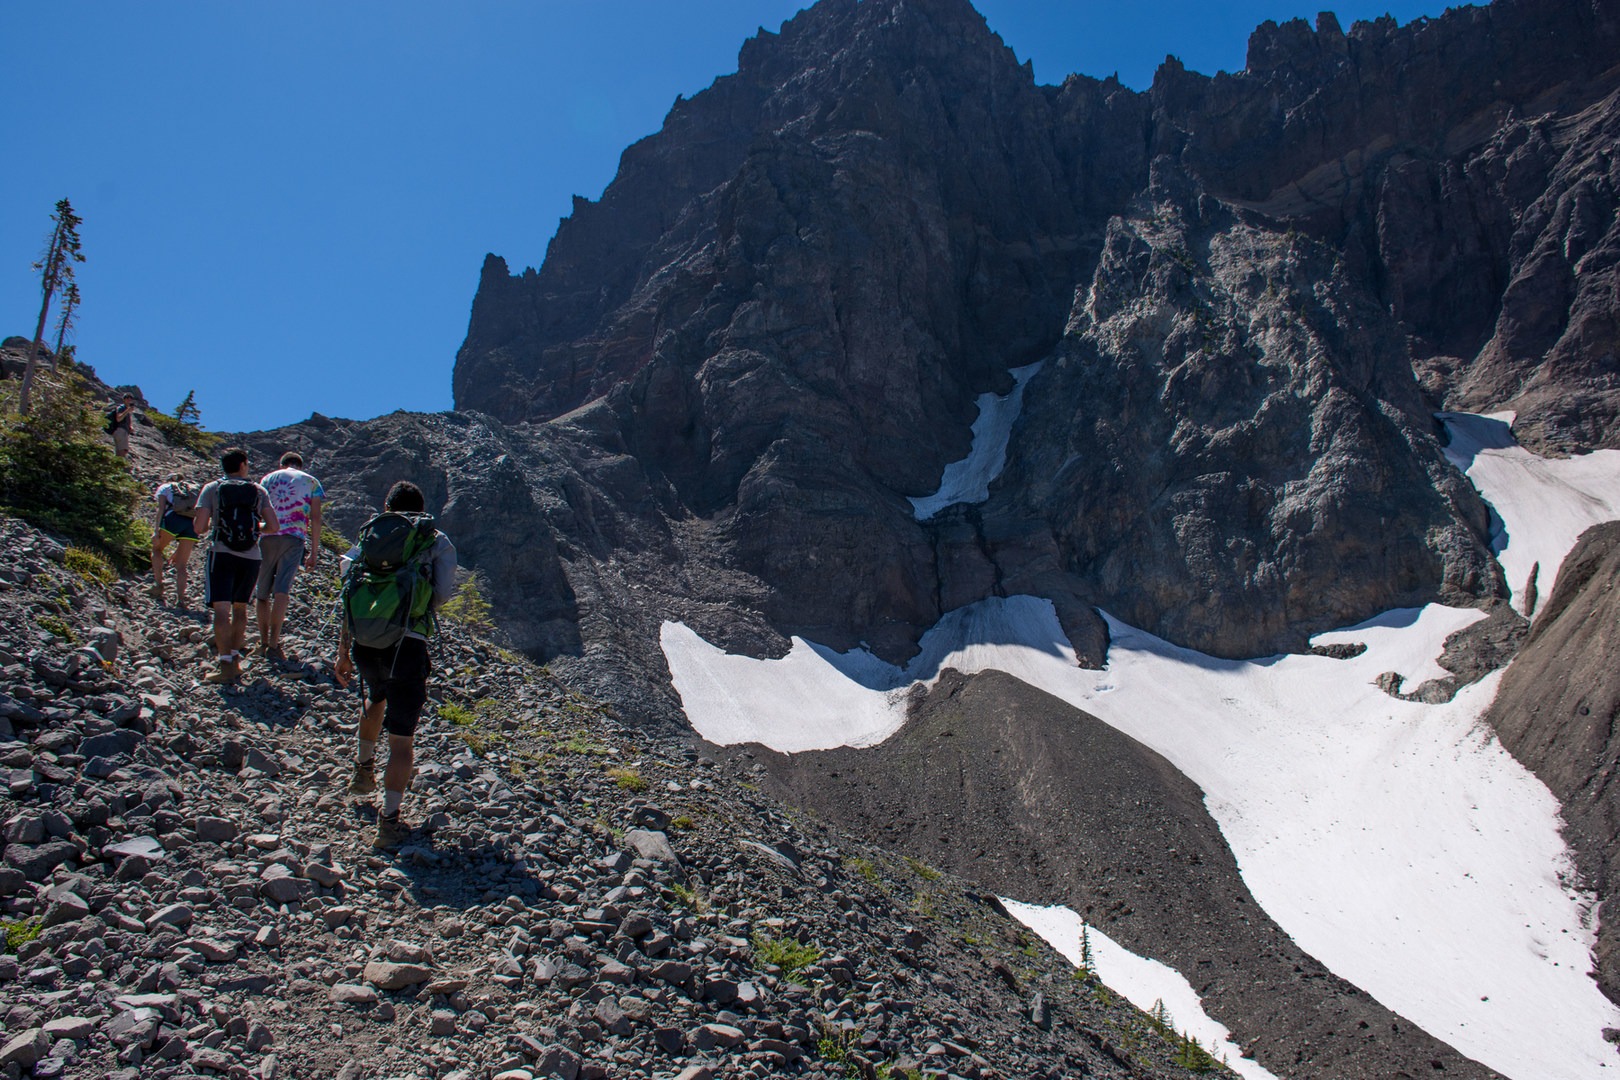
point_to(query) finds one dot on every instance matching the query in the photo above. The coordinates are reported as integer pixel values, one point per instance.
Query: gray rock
(179, 915)
(35, 861)
(651, 845)
(391, 976)
(354, 994)
(110, 744)
(25, 1048)
(216, 829)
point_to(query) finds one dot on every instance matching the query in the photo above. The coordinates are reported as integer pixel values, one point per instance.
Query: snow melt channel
(969, 480)
(1396, 842)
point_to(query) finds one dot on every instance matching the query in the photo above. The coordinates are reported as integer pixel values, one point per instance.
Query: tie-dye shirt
(290, 493)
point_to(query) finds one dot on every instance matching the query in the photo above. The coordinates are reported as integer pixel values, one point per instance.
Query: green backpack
(388, 590)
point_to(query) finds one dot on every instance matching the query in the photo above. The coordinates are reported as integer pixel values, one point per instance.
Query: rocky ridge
(189, 890)
(1556, 713)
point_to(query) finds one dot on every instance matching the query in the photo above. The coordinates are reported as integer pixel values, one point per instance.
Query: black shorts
(230, 578)
(179, 526)
(396, 675)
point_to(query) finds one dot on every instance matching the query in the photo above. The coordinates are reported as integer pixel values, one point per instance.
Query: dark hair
(405, 497)
(232, 459)
(293, 458)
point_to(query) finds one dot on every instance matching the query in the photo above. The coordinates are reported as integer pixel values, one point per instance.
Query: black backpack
(237, 524)
(112, 419)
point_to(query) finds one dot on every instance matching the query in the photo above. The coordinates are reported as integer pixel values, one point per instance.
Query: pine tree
(64, 321)
(187, 412)
(56, 275)
(1086, 962)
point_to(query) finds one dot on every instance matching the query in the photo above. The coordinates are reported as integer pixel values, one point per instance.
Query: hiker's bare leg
(261, 619)
(222, 629)
(401, 759)
(159, 544)
(278, 615)
(371, 720)
(238, 627)
(181, 561)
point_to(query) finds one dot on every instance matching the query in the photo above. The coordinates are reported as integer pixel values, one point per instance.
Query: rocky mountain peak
(1247, 293)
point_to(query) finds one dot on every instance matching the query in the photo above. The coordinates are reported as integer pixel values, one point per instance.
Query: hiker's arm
(444, 571)
(342, 664)
(267, 514)
(199, 523)
(314, 532)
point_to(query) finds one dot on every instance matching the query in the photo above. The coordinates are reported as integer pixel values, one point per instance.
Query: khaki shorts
(282, 556)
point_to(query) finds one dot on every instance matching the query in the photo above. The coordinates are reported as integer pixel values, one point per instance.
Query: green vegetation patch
(789, 954)
(91, 566)
(52, 624)
(468, 608)
(59, 473)
(20, 932)
(334, 541)
(185, 435)
(628, 779)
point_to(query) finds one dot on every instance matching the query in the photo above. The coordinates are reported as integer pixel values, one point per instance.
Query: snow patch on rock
(969, 480)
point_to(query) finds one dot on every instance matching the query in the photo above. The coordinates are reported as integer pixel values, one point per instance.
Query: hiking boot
(391, 832)
(227, 671)
(365, 779)
(276, 652)
(156, 591)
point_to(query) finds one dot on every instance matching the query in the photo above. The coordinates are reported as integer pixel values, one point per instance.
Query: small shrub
(177, 432)
(58, 471)
(20, 932)
(788, 954)
(1189, 1055)
(334, 541)
(54, 625)
(459, 715)
(690, 898)
(579, 744)
(468, 608)
(865, 869)
(479, 742)
(91, 566)
(922, 869)
(832, 1046)
(682, 823)
(628, 779)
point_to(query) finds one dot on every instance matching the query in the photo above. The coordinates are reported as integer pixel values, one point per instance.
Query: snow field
(1396, 842)
(1143, 982)
(968, 480)
(1544, 503)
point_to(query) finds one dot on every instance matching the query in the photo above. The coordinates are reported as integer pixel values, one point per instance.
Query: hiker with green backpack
(394, 580)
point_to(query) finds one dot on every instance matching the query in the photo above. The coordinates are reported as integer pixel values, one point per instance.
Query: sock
(368, 750)
(226, 658)
(391, 801)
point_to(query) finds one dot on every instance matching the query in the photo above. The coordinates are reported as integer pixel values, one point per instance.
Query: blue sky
(286, 205)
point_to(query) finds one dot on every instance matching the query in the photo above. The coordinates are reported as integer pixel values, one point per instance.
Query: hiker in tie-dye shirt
(296, 497)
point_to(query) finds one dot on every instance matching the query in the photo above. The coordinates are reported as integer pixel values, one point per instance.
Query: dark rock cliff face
(790, 297)
(1248, 294)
